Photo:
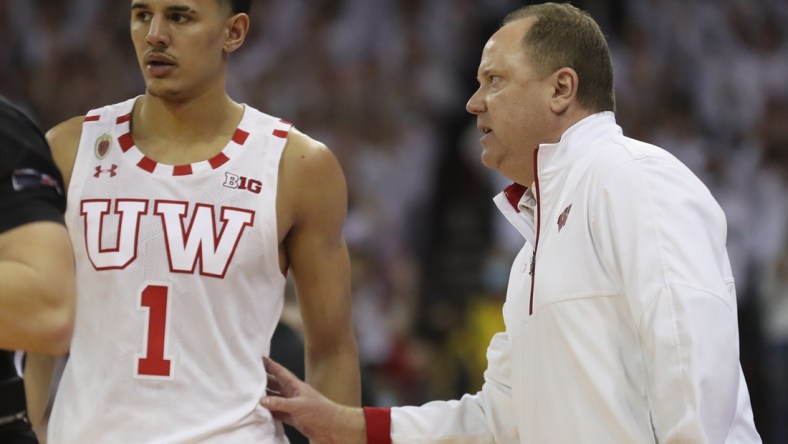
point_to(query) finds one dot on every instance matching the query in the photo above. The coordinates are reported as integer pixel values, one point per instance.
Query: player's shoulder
(309, 165)
(63, 141)
(69, 131)
(307, 155)
(65, 132)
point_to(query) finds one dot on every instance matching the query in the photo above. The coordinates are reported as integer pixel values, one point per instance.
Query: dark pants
(13, 405)
(17, 433)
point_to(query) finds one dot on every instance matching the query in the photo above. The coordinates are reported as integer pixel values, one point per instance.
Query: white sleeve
(486, 417)
(667, 236)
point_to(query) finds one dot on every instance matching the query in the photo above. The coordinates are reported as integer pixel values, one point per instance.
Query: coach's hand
(295, 402)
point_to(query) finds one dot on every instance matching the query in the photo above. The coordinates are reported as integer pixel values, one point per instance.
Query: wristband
(378, 424)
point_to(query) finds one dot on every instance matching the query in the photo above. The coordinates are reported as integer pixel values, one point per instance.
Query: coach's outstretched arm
(486, 417)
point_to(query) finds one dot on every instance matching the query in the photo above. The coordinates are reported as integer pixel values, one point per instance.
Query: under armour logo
(113, 171)
(562, 218)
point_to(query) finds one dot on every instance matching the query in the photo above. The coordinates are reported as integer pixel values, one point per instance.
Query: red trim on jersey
(514, 193)
(92, 118)
(218, 160)
(378, 421)
(126, 142)
(286, 122)
(240, 136)
(182, 170)
(147, 164)
(282, 134)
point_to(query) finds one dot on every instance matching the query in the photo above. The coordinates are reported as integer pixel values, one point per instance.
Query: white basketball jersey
(179, 289)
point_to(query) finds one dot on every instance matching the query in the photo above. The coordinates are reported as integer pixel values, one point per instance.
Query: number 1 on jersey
(154, 299)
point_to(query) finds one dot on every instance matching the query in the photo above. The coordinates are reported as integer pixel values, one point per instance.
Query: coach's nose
(476, 103)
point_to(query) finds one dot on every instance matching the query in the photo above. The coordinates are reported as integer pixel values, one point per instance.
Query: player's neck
(162, 128)
(196, 117)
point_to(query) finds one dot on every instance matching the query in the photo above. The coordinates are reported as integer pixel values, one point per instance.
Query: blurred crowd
(384, 84)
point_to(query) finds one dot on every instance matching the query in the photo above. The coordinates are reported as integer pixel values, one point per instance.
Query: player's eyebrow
(174, 8)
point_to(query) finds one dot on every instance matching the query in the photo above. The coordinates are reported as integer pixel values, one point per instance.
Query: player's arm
(37, 283)
(39, 371)
(63, 140)
(313, 187)
(36, 288)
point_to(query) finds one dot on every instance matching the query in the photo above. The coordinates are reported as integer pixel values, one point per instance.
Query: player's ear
(236, 29)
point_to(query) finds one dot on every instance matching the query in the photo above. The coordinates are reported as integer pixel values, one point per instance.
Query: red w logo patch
(562, 218)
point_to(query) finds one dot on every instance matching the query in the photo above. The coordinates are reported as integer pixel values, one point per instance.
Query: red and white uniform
(179, 288)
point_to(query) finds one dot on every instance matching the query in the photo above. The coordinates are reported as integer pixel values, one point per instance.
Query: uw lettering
(201, 242)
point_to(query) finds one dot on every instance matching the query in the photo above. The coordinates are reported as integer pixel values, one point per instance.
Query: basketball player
(187, 210)
(36, 264)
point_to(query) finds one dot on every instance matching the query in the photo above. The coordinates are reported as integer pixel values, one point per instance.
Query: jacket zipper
(538, 229)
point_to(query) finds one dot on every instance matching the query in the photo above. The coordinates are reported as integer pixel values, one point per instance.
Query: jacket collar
(518, 203)
(579, 139)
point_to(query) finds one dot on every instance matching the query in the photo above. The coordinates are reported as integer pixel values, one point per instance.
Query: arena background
(384, 84)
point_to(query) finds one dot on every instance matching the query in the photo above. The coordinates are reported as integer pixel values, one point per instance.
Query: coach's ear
(236, 29)
(565, 83)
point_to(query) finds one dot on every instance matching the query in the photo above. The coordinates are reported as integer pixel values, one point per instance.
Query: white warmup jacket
(628, 331)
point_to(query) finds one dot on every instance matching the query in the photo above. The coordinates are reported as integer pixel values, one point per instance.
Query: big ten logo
(237, 182)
